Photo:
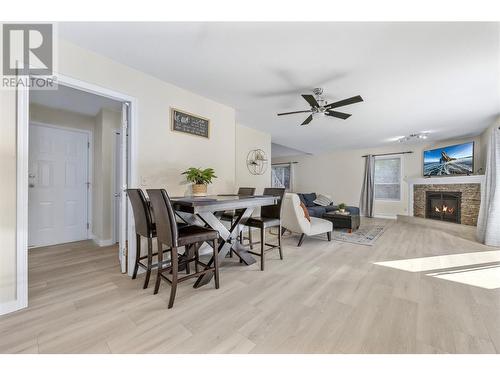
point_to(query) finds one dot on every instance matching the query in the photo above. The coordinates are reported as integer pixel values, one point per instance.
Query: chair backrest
(246, 191)
(293, 217)
(273, 211)
(166, 225)
(142, 214)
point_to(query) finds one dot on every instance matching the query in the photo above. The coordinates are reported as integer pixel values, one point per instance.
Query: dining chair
(270, 216)
(174, 237)
(144, 227)
(231, 215)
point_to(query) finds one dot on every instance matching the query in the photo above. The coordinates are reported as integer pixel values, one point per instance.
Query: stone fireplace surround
(469, 186)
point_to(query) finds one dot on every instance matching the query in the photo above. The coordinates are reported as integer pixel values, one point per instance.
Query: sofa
(293, 219)
(318, 211)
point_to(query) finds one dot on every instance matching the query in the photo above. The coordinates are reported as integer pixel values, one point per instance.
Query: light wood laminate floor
(325, 297)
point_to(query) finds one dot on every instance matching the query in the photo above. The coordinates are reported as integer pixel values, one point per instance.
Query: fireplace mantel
(474, 179)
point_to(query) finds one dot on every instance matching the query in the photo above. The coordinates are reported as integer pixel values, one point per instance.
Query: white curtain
(488, 222)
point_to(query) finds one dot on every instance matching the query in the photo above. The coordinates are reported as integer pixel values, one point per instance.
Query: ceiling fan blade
(311, 100)
(307, 120)
(340, 103)
(291, 113)
(341, 115)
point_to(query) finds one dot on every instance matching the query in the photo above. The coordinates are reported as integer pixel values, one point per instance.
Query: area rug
(365, 235)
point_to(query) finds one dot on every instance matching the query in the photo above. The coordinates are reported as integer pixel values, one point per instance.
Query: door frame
(22, 157)
(90, 166)
(114, 133)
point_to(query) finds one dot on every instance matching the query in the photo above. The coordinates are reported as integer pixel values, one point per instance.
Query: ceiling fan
(319, 105)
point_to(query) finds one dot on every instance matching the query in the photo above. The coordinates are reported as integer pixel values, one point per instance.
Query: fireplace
(443, 206)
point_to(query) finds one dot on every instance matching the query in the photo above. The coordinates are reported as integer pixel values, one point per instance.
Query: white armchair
(293, 219)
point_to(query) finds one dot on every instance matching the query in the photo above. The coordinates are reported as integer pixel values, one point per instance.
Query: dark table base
(339, 221)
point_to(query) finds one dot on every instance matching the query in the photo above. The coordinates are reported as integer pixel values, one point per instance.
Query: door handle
(117, 195)
(31, 178)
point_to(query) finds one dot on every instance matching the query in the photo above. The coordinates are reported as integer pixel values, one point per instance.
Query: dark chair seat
(153, 227)
(228, 216)
(262, 222)
(189, 234)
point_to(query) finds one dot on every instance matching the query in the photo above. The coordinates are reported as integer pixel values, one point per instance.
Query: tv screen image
(449, 160)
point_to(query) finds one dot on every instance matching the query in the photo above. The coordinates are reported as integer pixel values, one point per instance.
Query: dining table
(208, 209)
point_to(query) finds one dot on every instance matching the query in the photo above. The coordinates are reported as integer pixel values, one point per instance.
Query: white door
(57, 194)
(122, 248)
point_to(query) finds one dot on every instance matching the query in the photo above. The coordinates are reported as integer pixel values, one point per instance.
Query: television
(449, 160)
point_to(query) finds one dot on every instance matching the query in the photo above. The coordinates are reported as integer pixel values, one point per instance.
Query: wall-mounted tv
(449, 160)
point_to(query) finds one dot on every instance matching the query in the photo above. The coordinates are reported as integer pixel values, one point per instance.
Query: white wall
(247, 139)
(161, 154)
(340, 173)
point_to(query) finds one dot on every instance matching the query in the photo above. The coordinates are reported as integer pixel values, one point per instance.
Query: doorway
(128, 167)
(58, 183)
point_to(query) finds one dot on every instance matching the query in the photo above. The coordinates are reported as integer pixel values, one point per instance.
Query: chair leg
(188, 253)
(216, 264)
(175, 271)
(250, 237)
(150, 262)
(196, 257)
(279, 243)
(137, 254)
(329, 235)
(262, 245)
(160, 267)
(301, 239)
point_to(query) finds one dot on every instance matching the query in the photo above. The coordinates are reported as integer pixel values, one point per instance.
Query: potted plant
(200, 179)
(342, 207)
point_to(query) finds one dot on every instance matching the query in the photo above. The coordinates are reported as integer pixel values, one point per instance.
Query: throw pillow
(306, 213)
(323, 200)
(309, 199)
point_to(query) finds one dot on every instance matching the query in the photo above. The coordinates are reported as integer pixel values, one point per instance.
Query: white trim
(22, 159)
(386, 216)
(115, 237)
(102, 243)
(474, 179)
(90, 165)
(22, 123)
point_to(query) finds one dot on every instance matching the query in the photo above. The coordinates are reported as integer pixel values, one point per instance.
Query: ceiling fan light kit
(319, 105)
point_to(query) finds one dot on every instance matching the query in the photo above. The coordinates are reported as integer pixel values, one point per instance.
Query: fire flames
(445, 209)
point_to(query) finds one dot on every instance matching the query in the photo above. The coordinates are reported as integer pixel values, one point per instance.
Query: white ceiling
(280, 151)
(442, 78)
(73, 100)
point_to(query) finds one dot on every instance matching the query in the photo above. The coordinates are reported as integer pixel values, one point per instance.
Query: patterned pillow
(323, 200)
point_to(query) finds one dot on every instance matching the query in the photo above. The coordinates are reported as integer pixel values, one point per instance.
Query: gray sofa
(318, 211)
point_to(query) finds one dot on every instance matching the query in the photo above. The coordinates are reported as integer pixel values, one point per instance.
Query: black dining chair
(231, 215)
(144, 227)
(173, 237)
(270, 216)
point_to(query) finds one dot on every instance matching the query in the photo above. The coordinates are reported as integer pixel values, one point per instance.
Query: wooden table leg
(229, 240)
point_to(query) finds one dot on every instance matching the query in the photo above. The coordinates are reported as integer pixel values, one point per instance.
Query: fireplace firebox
(443, 206)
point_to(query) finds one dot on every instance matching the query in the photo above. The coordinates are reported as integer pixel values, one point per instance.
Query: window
(388, 178)
(281, 176)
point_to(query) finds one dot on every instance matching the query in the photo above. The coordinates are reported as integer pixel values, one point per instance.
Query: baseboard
(386, 216)
(11, 306)
(103, 243)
